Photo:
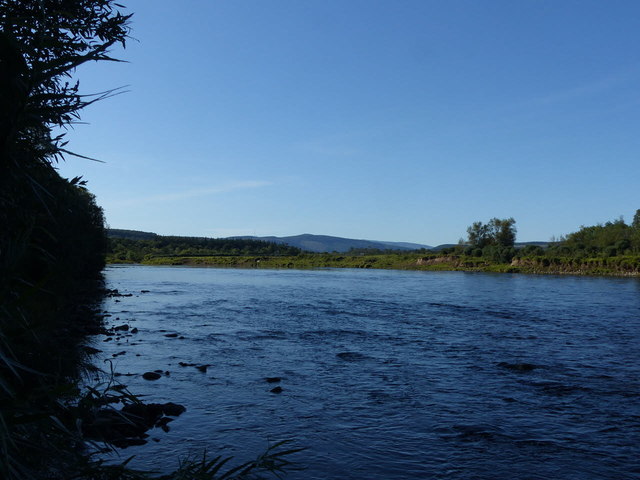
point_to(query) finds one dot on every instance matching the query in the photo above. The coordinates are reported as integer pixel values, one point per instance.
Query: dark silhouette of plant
(42, 42)
(52, 236)
(52, 245)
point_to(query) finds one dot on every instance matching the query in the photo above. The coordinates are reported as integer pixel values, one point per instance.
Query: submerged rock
(519, 367)
(276, 390)
(351, 356)
(128, 426)
(173, 409)
(151, 376)
(273, 379)
(116, 293)
(144, 415)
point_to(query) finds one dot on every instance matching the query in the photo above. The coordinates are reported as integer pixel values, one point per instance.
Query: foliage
(41, 44)
(530, 250)
(273, 461)
(105, 396)
(52, 238)
(305, 260)
(636, 220)
(123, 250)
(499, 232)
(478, 235)
(491, 259)
(498, 253)
(610, 239)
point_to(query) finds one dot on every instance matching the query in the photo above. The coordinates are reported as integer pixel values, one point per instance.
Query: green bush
(499, 254)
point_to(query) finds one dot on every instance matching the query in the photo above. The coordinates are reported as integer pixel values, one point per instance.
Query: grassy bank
(617, 266)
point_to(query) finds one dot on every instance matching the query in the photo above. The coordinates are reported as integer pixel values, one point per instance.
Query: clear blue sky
(385, 120)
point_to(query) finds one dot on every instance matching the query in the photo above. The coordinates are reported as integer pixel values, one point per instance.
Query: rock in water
(151, 376)
(351, 356)
(173, 409)
(518, 367)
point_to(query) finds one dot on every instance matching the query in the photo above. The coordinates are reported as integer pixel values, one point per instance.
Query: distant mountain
(443, 246)
(315, 243)
(326, 243)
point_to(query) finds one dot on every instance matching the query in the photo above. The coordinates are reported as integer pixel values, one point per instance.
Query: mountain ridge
(305, 241)
(328, 243)
(311, 242)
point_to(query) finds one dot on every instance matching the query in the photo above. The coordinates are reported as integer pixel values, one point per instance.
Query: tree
(636, 220)
(496, 232)
(479, 235)
(503, 231)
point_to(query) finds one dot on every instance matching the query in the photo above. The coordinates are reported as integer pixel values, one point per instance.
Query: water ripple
(395, 375)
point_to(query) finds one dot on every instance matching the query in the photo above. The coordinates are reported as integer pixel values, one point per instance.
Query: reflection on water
(388, 374)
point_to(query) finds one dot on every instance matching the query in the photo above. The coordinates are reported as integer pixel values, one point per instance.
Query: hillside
(307, 242)
(127, 246)
(327, 243)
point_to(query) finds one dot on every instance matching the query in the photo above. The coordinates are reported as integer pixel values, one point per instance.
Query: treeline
(377, 251)
(608, 240)
(495, 242)
(127, 250)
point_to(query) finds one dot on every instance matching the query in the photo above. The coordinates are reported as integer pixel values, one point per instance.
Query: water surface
(389, 374)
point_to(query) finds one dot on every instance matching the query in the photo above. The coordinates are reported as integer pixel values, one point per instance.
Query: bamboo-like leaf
(80, 156)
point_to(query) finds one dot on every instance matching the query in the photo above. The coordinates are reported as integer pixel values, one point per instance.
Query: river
(387, 374)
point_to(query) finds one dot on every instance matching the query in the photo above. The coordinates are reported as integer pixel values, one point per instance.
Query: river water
(388, 374)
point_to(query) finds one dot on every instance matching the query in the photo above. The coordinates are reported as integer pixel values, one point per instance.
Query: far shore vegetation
(612, 248)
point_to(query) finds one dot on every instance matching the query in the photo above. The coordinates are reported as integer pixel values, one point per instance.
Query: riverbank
(612, 266)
